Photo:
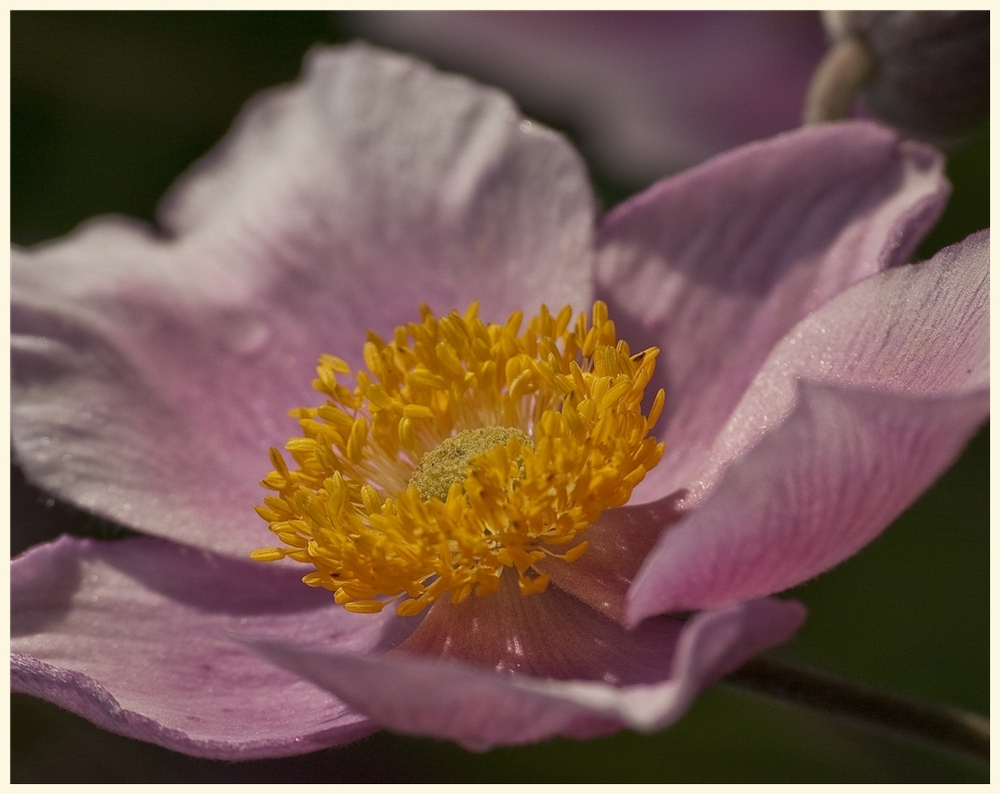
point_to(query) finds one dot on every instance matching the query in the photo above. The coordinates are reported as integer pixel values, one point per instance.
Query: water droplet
(243, 332)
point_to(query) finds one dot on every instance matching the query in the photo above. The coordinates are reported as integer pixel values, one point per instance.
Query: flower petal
(136, 636)
(480, 708)
(902, 362)
(618, 542)
(151, 375)
(921, 331)
(377, 172)
(716, 265)
(648, 93)
(544, 635)
(811, 494)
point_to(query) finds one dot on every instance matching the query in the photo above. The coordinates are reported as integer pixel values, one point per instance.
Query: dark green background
(108, 108)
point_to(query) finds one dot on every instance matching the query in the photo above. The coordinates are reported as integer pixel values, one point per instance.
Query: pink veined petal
(867, 402)
(151, 374)
(544, 635)
(137, 636)
(716, 265)
(618, 542)
(648, 93)
(921, 331)
(481, 709)
(809, 495)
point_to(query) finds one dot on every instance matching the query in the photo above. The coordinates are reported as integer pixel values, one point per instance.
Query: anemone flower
(647, 93)
(514, 524)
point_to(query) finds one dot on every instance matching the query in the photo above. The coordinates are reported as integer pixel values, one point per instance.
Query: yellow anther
(574, 554)
(371, 356)
(447, 356)
(377, 396)
(410, 607)
(364, 607)
(370, 498)
(406, 435)
(514, 323)
(613, 395)
(425, 377)
(355, 443)
(654, 412)
(267, 555)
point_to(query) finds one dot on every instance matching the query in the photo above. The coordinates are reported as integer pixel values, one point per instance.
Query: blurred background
(108, 108)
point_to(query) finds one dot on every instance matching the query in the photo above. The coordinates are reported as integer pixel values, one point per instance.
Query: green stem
(941, 726)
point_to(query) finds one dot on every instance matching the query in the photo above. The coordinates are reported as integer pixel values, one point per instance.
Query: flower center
(450, 461)
(467, 449)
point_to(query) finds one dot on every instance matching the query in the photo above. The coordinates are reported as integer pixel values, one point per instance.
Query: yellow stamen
(466, 449)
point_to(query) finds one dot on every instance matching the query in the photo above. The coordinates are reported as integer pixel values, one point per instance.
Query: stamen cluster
(574, 441)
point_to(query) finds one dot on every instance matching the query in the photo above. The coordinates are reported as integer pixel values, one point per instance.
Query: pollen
(449, 462)
(463, 452)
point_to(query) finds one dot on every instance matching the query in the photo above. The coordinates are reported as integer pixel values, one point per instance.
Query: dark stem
(941, 726)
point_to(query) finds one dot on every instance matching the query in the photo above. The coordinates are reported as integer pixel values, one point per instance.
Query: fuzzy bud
(924, 71)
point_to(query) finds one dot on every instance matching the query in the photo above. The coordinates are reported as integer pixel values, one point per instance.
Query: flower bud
(924, 71)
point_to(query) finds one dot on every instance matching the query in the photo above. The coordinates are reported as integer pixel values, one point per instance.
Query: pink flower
(814, 387)
(647, 93)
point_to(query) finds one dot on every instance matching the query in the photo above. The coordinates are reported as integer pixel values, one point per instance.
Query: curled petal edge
(793, 507)
(82, 695)
(480, 709)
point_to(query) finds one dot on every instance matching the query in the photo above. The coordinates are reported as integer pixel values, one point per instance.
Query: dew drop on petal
(243, 333)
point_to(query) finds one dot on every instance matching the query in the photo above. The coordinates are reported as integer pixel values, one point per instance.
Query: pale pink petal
(809, 495)
(868, 401)
(151, 374)
(716, 265)
(137, 636)
(921, 331)
(479, 708)
(374, 172)
(648, 93)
